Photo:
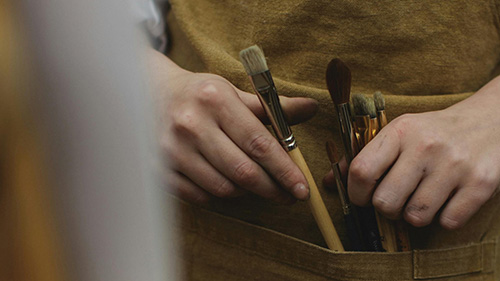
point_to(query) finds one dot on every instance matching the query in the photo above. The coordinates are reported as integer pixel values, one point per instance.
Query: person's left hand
(421, 163)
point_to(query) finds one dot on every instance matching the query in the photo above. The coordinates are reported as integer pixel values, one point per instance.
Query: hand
(445, 160)
(215, 142)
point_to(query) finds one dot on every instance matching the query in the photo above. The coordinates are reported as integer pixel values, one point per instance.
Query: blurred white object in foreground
(94, 107)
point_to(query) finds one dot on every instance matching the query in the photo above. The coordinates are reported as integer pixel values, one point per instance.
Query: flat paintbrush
(256, 67)
(400, 227)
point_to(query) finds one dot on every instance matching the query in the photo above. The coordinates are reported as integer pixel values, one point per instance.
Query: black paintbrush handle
(369, 228)
(356, 244)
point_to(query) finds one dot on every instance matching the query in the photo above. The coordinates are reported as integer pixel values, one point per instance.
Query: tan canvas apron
(424, 55)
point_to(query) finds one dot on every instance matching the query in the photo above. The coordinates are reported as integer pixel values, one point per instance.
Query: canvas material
(423, 55)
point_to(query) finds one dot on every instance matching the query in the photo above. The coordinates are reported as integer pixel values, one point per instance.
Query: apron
(423, 55)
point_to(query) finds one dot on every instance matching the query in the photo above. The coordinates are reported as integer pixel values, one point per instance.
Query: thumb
(296, 110)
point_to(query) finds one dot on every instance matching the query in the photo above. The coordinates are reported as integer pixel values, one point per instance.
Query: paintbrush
(338, 81)
(385, 226)
(380, 106)
(364, 111)
(349, 218)
(372, 113)
(401, 230)
(362, 124)
(256, 67)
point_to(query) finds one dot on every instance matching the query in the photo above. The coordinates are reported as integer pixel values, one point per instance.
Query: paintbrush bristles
(379, 100)
(364, 106)
(370, 108)
(338, 81)
(359, 103)
(332, 152)
(253, 60)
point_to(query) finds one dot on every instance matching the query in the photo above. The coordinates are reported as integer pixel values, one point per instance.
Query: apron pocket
(216, 247)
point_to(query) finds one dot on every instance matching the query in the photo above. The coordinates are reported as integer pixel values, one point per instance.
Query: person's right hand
(214, 139)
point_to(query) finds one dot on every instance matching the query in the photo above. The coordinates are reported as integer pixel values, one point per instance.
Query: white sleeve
(147, 12)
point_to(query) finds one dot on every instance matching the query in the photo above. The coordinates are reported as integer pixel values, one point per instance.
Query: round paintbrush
(256, 67)
(349, 218)
(338, 81)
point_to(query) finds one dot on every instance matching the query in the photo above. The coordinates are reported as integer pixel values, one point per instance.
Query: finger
(329, 181)
(430, 195)
(256, 141)
(234, 164)
(203, 174)
(297, 110)
(181, 186)
(462, 206)
(343, 167)
(370, 165)
(396, 187)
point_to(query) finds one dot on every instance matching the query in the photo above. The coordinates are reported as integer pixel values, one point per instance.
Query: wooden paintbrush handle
(402, 236)
(387, 233)
(317, 205)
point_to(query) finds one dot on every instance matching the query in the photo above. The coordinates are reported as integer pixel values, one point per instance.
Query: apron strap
(477, 257)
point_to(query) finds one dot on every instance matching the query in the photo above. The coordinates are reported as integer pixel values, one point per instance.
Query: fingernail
(301, 192)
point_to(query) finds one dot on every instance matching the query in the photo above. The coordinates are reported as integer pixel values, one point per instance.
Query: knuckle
(386, 205)
(357, 198)
(196, 197)
(188, 193)
(223, 189)
(401, 124)
(172, 156)
(428, 145)
(186, 123)
(287, 177)
(246, 174)
(451, 222)
(361, 171)
(260, 146)
(456, 157)
(483, 181)
(416, 215)
(211, 92)
(166, 145)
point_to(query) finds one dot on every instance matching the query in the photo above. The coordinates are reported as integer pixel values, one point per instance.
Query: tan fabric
(221, 248)
(424, 55)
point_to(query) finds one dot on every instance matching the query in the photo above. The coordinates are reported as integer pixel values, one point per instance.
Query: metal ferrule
(346, 131)
(363, 129)
(264, 86)
(374, 129)
(382, 118)
(344, 201)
